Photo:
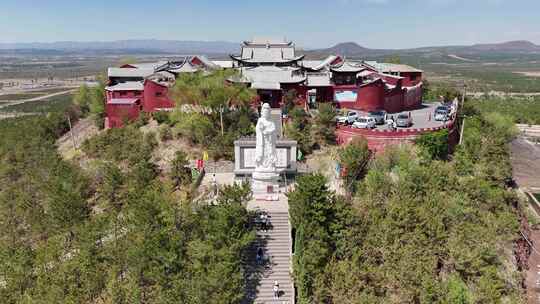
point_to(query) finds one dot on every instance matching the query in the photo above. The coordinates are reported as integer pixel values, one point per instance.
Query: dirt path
(83, 129)
(8, 103)
(533, 274)
(525, 158)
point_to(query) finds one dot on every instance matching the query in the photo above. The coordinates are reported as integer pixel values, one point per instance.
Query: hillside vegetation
(417, 230)
(114, 233)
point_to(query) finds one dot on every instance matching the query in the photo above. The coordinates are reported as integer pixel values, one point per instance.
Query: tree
(311, 212)
(324, 125)
(180, 172)
(354, 159)
(299, 129)
(97, 104)
(289, 97)
(82, 98)
(434, 144)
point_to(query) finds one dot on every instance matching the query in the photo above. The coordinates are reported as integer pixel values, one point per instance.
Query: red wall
(412, 97)
(378, 140)
(369, 96)
(408, 78)
(393, 101)
(156, 96)
(117, 113)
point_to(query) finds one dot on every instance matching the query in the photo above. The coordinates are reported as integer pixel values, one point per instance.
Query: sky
(310, 23)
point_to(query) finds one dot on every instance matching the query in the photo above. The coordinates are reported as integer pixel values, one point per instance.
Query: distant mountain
(152, 45)
(347, 49)
(220, 49)
(352, 49)
(518, 45)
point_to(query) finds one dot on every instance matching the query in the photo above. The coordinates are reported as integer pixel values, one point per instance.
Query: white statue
(265, 176)
(265, 149)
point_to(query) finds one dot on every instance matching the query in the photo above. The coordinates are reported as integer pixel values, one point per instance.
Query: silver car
(404, 120)
(379, 116)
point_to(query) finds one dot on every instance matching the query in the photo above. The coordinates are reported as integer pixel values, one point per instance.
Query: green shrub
(162, 117)
(165, 133)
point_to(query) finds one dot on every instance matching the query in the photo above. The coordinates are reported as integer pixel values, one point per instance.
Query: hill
(140, 45)
(352, 49)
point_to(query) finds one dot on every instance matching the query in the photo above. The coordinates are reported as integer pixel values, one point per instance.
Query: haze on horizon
(312, 24)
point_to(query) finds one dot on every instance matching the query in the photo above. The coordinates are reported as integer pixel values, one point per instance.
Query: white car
(348, 118)
(365, 122)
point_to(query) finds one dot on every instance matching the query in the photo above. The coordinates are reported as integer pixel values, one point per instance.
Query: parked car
(365, 122)
(442, 113)
(404, 120)
(348, 118)
(379, 116)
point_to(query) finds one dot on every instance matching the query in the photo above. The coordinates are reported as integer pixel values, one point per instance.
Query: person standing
(276, 290)
(264, 222)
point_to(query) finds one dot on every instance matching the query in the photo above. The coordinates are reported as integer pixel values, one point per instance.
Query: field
(516, 73)
(53, 104)
(30, 94)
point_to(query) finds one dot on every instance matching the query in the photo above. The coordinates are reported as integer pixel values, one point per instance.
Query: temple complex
(272, 67)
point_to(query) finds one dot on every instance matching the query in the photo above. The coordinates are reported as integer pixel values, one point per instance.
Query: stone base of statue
(265, 185)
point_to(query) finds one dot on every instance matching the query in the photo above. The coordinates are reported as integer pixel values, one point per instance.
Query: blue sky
(311, 23)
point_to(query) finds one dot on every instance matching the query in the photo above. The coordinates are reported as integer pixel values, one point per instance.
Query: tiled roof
(129, 72)
(207, 62)
(224, 64)
(126, 86)
(392, 67)
(268, 40)
(148, 65)
(269, 74)
(318, 80)
(318, 64)
(122, 101)
(266, 85)
(347, 66)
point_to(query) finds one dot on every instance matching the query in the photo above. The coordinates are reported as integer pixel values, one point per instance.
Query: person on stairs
(276, 290)
(260, 255)
(264, 222)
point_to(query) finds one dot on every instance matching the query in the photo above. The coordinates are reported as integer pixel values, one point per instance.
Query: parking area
(421, 118)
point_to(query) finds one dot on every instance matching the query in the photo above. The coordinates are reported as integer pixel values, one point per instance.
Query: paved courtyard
(422, 118)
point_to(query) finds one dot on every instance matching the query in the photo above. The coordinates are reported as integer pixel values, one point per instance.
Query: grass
(526, 111)
(52, 104)
(31, 94)
(15, 97)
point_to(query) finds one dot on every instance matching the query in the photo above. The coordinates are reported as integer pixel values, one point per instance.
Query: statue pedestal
(265, 186)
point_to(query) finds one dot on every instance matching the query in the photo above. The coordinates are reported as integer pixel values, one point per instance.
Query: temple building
(272, 67)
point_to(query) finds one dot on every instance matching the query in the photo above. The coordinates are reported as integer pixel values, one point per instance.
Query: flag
(205, 156)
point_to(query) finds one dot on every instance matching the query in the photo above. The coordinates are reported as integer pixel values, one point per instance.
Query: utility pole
(221, 118)
(461, 133)
(462, 105)
(464, 93)
(71, 133)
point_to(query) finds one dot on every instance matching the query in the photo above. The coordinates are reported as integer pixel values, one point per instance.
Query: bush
(434, 144)
(165, 133)
(121, 144)
(354, 159)
(162, 117)
(299, 128)
(324, 125)
(195, 127)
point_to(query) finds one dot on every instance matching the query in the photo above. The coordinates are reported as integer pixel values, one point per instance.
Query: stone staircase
(276, 244)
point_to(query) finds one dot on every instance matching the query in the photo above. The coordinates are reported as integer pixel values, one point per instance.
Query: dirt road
(3, 105)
